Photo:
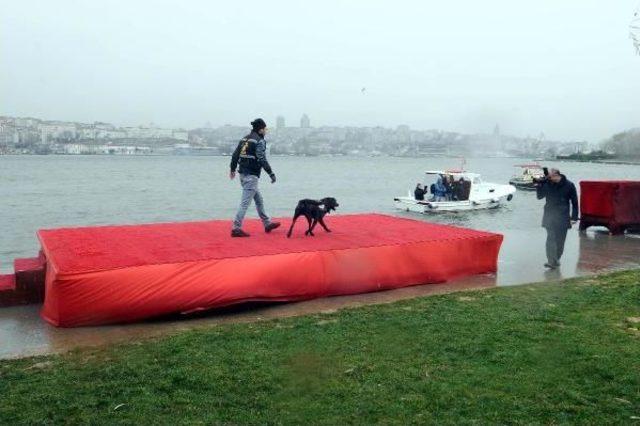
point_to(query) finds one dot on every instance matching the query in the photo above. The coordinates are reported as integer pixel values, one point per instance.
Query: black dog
(314, 213)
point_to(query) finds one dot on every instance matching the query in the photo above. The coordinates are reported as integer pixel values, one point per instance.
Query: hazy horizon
(567, 69)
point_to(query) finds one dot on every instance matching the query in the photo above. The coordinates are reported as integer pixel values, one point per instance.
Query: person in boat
(560, 212)
(440, 190)
(448, 188)
(466, 189)
(250, 158)
(458, 189)
(419, 192)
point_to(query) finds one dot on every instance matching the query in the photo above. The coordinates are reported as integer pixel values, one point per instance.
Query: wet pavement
(23, 333)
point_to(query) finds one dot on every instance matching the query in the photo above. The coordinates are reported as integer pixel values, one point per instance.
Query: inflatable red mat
(113, 274)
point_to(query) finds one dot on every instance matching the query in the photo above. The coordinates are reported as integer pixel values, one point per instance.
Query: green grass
(552, 353)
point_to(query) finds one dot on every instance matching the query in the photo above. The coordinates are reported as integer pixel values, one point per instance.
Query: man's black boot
(270, 227)
(239, 233)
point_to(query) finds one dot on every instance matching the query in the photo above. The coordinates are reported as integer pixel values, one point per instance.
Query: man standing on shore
(559, 193)
(250, 156)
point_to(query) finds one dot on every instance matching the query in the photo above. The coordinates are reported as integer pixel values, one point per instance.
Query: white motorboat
(527, 178)
(467, 192)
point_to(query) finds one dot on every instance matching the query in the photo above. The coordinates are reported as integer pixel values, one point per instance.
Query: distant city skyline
(24, 135)
(278, 122)
(568, 69)
(272, 123)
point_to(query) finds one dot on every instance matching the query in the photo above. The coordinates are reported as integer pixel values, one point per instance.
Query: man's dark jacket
(559, 196)
(250, 155)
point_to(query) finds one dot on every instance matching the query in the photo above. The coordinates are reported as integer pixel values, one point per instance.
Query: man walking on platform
(250, 156)
(559, 193)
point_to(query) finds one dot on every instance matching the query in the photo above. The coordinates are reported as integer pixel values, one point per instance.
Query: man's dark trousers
(556, 236)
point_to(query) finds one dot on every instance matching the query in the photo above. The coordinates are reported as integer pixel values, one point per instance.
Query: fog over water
(566, 68)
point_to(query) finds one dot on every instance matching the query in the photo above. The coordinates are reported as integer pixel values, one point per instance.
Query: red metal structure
(614, 204)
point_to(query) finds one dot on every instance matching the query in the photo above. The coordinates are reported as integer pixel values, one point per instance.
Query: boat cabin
(530, 170)
(449, 185)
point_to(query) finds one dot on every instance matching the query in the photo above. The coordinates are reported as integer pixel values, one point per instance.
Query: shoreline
(134, 333)
(611, 162)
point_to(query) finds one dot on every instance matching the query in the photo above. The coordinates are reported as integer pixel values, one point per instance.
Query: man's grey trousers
(250, 192)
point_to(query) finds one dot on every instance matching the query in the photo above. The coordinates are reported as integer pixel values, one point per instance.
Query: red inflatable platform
(614, 204)
(116, 274)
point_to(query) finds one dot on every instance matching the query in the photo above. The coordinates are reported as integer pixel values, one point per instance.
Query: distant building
(8, 134)
(305, 123)
(498, 141)
(180, 134)
(403, 129)
(279, 122)
(57, 130)
(402, 133)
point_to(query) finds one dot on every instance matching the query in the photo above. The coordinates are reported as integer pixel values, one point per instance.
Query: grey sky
(566, 68)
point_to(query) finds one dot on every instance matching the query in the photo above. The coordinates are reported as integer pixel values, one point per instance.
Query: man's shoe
(239, 233)
(270, 227)
(550, 266)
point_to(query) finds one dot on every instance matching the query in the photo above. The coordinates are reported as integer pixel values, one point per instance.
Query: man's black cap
(258, 124)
